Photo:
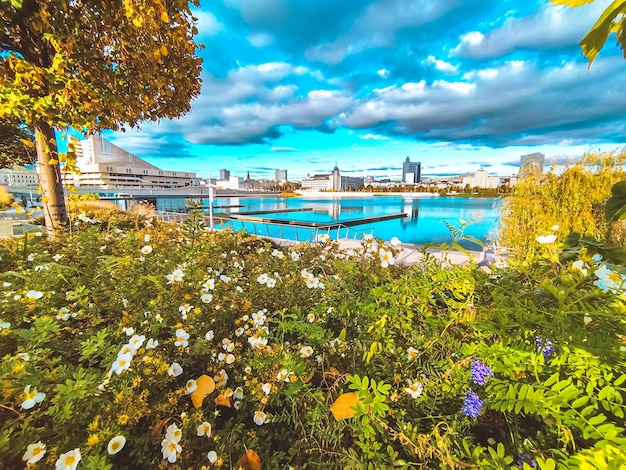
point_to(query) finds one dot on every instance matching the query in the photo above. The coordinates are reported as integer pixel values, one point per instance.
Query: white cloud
(441, 65)
(373, 137)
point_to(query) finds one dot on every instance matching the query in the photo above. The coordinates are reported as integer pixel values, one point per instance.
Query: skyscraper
(280, 175)
(224, 174)
(531, 162)
(411, 172)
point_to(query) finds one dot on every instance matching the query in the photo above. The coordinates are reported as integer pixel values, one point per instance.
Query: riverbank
(361, 194)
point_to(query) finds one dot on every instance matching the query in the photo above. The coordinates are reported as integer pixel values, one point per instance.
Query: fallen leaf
(158, 426)
(222, 400)
(204, 386)
(342, 408)
(249, 461)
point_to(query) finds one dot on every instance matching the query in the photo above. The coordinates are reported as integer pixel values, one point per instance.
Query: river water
(425, 222)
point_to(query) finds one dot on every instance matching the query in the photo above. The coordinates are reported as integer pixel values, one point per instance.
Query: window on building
(106, 147)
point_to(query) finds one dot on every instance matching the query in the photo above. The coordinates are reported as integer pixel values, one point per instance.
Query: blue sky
(456, 84)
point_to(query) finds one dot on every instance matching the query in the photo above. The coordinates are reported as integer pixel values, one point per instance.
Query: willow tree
(612, 20)
(93, 65)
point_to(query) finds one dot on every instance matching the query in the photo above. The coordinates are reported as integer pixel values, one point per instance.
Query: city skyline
(453, 84)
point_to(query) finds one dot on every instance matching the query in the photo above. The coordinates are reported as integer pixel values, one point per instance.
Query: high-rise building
(224, 174)
(411, 171)
(532, 162)
(280, 175)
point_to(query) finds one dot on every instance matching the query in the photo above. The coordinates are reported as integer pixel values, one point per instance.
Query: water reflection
(424, 222)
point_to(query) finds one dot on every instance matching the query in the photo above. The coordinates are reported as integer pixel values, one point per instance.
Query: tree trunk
(53, 198)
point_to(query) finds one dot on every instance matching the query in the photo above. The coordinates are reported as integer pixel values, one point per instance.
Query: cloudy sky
(455, 84)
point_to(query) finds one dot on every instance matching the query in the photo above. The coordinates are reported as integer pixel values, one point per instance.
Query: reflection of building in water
(411, 171)
(334, 210)
(412, 213)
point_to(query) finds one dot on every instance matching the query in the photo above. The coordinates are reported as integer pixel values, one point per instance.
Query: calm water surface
(424, 222)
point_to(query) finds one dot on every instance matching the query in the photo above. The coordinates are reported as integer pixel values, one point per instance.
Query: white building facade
(103, 165)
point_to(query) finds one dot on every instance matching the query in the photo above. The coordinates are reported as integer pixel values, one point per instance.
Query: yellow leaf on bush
(342, 408)
(204, 386)
(249, 461)
(222, 400)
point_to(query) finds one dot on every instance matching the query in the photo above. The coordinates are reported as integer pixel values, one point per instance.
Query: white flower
(212, 456)
(34, 453)
(128, 331)
(609, 280)
(204, 429)
(543, 239)
(323, 237)
(190, 386)
(386, 258)
(258, 318)
(32, 398)
(173, 433)
(580, 265)
(33, 295)
(170, 449)
(306, 351)
(175, 276)
(4, 325)
(283, 375)
(278, 254)
(206, 298)
(210, 335)
(295, 255)
(412, 353)
(271, 282)
(116, 444)
(135, 342)
(174, 370)
(238, 393)
(311, 317)
(415, 389)
(122, 363)
(152, 343)
(239, 331)
(146, 238)
(69, 460)
(230, 358)
(395, 241)
(146, 250)
(209, 284)
(260, 418)
(262, 279)
(266, 388)
(181, 338)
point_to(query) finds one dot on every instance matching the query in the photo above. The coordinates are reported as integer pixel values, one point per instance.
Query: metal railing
(289, 230)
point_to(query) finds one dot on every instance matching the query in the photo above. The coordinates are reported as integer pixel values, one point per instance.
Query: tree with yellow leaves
(92, 65)
(612, 20)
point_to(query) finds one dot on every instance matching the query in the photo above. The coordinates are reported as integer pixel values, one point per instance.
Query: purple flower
(545, 346)
(525, 458)
(472, 405)
(480, 372)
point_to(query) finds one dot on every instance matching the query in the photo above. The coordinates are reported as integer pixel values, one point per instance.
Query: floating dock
(330, 226)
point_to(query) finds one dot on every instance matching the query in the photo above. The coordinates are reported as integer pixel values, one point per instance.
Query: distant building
(531, 162)
(481, 179)
(332, 182)
(18, 177)
(103, 165)
(224, 174)
(411, 172)
(280, 175)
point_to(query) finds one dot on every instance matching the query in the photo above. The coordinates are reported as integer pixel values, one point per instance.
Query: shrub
(165, 345)
(572, 200)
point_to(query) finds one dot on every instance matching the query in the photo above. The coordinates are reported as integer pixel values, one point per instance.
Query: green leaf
(615, 207)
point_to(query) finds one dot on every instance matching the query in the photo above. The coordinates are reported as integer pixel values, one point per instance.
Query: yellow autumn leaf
(342, 408)
(18, 209)
(249, 461)
(45, 199)
(204, 386)
(222, 400)
(163, 50)
(164, 17)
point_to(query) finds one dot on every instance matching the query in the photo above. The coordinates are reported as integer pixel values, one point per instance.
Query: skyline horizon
(453, 84)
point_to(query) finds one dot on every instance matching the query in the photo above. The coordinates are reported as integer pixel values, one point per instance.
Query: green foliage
(16, 143)
(283, 332)
(558, 205)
